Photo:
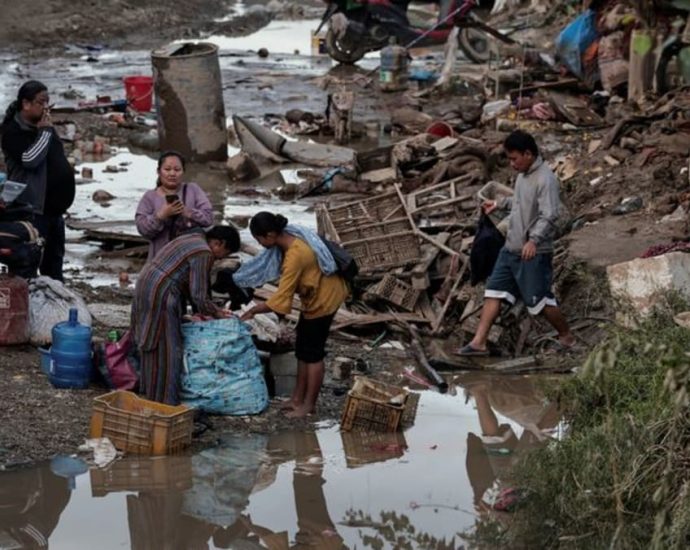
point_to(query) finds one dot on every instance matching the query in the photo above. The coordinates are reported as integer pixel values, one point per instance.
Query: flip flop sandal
(469, 351)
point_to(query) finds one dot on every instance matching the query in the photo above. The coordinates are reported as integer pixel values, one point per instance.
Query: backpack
(22, 248)
(346, 264)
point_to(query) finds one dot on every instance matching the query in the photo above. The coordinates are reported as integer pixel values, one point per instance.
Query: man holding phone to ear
(35, 156)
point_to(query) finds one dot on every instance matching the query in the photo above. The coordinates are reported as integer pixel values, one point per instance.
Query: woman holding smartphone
(172, 207)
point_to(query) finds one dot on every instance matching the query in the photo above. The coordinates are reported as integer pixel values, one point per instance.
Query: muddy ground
(126, 24)
(39, 421)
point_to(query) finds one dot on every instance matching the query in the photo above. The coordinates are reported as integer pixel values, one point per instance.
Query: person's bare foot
(299, 412)
(289, 405)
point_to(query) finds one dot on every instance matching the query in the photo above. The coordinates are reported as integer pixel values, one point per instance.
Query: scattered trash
(627, 205)
(104, 451)
(49, 304)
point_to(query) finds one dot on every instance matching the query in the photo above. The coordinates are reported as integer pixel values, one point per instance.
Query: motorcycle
(673, 65)
(357, 27)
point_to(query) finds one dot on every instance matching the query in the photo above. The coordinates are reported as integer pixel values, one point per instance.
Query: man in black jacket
(35, 156)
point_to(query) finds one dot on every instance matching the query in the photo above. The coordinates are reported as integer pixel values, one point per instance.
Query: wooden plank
(116, 230)
(343, 317)
(443, 203)
(430, 189)
(425, 308)
(451, 296)
(363, 320)
(513, 366)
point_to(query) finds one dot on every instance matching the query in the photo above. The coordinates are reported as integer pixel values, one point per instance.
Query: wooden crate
(397, 292)
(378, 229)
(374, 406)
(141, 426)
(375, 159)
(383, 253)
(455, 197)
(380, 208)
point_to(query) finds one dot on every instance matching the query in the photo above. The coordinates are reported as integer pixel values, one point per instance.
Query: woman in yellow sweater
(321, 295)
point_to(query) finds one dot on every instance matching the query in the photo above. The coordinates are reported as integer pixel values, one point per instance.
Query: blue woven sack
(574, 40)
(223, 373)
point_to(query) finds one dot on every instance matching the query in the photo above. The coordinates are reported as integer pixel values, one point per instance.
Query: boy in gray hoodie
(523, 268)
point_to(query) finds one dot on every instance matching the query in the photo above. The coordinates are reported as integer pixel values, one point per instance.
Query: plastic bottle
(14, 309)
(393, 73)
(71, 365)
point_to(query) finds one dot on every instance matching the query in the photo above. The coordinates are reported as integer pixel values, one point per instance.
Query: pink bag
(121, 363)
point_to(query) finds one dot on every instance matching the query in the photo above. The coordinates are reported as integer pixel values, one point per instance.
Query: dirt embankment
(51, 25)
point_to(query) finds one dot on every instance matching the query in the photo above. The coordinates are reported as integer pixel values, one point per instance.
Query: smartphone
(171, 198)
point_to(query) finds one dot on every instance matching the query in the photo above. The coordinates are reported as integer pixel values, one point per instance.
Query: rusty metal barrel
(189, 101)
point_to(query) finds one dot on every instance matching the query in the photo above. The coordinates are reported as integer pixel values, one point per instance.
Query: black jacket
(35, 156)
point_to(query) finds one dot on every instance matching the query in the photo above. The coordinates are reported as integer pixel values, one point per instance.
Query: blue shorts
(512, 279)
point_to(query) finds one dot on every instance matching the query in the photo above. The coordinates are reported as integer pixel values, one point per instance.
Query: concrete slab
(640, 281)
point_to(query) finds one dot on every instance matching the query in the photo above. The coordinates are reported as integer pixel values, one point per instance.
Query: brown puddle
(322, 489)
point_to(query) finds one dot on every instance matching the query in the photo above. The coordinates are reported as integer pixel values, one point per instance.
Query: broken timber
(108, 231)
(429, 371)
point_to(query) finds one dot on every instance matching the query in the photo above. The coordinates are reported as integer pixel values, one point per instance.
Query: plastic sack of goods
(223, 373)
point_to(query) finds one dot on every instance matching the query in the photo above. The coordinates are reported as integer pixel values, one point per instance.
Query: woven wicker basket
(375, 406)
(382, 253)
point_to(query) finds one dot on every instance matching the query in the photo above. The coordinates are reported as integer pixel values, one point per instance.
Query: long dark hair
(28, 91)
(263, 223)
(164, 156)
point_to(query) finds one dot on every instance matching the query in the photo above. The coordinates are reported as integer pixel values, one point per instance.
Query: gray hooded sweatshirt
(534, 209)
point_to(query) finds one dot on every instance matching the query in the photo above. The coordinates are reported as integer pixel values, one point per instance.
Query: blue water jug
(71, 365)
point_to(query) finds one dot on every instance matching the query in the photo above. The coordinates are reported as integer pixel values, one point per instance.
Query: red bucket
(139, 92)
(440, 129)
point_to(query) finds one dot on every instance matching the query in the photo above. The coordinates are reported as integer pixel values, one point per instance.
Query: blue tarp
(574, 40)
(223, 372)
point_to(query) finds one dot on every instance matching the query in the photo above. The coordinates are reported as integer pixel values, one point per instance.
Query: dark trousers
(52, 229)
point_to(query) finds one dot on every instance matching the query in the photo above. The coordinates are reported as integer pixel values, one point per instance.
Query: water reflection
(492, 452)
(31, 501)
(190, 502)
(288, 490)
(315, 528)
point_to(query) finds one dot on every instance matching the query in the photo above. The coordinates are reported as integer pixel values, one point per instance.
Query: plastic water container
(14, 309)
(393, 73)
(71, 365)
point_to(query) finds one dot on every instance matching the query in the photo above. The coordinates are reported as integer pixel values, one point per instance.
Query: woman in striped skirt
(178, 274)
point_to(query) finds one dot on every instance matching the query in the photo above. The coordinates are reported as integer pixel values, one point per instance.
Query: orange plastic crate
(140, 426)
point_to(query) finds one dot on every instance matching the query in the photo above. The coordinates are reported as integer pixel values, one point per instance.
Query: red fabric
(122, 373)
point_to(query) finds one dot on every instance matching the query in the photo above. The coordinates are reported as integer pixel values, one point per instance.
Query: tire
(475, 44)
(664, 83)
(336, 51)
